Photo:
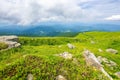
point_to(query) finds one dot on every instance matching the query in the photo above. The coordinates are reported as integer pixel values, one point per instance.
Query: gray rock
(11, 41)
(60, 77)
(112, 63)
(9, 38)
(99, 58)
(66, 55)
(17, 45)
(106, 61)
(117, 74)
(91, 60)
(112, 51)
(30, 77)
(70, 46)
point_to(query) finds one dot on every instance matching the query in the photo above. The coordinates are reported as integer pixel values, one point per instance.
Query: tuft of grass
(3, 45)
(47, 68)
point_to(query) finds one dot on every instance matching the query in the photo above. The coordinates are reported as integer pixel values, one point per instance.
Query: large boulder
(112, 51)
(9, 38)
(70, 46)
(11, 41)
(91, 60)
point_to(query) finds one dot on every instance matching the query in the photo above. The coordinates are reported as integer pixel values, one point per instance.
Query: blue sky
(26, 12)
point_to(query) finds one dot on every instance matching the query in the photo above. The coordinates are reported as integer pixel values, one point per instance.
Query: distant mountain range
(57, 29)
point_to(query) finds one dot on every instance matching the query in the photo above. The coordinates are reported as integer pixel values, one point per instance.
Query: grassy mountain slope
(37, 56)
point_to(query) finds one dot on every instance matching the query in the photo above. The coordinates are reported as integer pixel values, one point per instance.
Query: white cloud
(113, 17)
(24, 12)
(29, 11)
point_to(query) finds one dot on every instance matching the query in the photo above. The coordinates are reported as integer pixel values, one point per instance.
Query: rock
(99, 58)
(70, 46)
(117, 74)
(112, 51)
(9, 38)
(91, 60)
(30, 77)
(106, 61)
(100, 50)
(17, 45)
(11, 41)
(66, 55)
(60, 77)
(112, 63)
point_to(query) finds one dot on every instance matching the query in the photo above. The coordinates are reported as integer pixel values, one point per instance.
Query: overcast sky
(26, 12)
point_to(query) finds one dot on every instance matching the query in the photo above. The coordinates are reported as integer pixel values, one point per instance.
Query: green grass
(41, 61)
(3, 45)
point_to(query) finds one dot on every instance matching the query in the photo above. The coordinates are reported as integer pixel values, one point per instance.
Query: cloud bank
(113, 17)
(25, 12)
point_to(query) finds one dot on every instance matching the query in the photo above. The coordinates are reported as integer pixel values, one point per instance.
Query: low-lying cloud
(113, 17)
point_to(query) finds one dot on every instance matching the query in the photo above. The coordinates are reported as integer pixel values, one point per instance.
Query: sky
(27, 12)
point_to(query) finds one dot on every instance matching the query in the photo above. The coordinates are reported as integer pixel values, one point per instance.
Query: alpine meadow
(59, 40)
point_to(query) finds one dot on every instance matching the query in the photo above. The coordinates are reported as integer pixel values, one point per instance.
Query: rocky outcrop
(11, 41)
(70, 46)
(60, 77)
(112, 51)
(9, 38)
(91, 60)
(66, 55)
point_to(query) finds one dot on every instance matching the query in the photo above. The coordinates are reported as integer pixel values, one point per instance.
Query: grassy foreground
(37, 56)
